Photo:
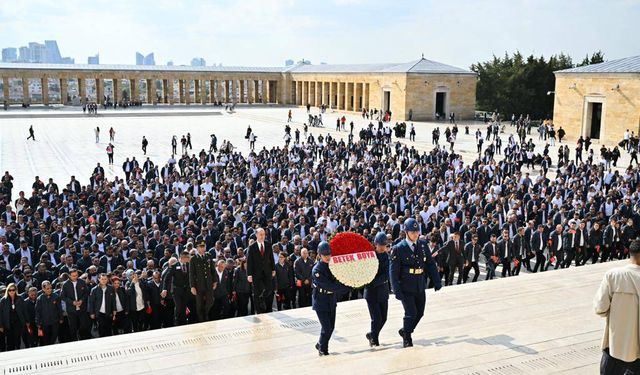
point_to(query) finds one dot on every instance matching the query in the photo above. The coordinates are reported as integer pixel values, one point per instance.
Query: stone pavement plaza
(531, 324)
(65, 142)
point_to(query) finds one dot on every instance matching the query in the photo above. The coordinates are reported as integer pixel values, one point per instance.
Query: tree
(515, 85)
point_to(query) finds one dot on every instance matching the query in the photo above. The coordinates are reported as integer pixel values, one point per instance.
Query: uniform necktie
(184, 268)
(261, 250)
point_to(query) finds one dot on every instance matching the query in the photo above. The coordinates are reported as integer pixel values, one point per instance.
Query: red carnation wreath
(353, 260)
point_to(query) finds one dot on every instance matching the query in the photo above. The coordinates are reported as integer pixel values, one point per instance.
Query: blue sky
(267, 32)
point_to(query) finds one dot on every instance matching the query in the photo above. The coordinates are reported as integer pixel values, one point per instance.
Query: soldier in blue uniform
(324, 296)
(410, 264)
(377, 292)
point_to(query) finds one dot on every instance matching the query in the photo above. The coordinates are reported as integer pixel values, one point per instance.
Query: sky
(268, 32)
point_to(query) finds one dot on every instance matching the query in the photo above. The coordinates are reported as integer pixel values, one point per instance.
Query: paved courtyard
(65, 142)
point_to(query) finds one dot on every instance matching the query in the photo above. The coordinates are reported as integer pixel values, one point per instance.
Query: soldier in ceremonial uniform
(324, 296)
(410, 262)
(202, 278)
(377, 292)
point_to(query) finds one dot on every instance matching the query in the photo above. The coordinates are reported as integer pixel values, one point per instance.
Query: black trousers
(284, 302)
(590, 254)
(50, 334)
(327, 322)
(137, 320)
(79, 325)
(413, 311)
(457, 265)
(13, 336)
(516, 269)
(506, 267)
(262, 294)
(568, 259)
(122, 323)
(540, 261)
(180, 304)
(467, 269)
(105, 324)
(304, 295)
(491, 270)
(242, 303)
(378, 312)
(613, 366)
(204, 303)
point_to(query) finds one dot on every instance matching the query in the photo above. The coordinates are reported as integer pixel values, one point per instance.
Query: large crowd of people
(185, 242)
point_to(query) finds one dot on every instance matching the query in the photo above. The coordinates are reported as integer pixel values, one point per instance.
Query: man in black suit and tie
(102, 306)
(176, 281)
(538, 244)
(505, 252)
(261, 269)
(472, 252)
(490, 252)
(455, 259)
(75, 295)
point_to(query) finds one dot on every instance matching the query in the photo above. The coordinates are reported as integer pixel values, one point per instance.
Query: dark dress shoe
(370, 339)
(321, 352)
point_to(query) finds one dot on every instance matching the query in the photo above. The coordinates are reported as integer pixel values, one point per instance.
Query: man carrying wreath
(410, 263)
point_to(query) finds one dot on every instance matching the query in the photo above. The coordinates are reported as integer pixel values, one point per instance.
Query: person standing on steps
(410, 264)
(377, 292)
(324, 296)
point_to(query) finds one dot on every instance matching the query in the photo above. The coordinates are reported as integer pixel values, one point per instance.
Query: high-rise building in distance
(94, 60)
(36, 52)
(145, 60)
(198, 61)
(9, 55)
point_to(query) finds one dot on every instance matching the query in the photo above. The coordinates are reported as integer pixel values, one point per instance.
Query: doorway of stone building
(386, 101)
(441, 99)
(594, 120)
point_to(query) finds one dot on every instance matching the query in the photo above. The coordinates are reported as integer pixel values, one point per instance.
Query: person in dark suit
(472, 252)
(556, 248)
(505, 252)
(48, 314)
(452, 251)
(156, 302)
(410, 264)
(285, 282)
(324, 297)
(102, 305)
(261, 269)
(302, 268)
(202, 280)
(539, 244)
(222, 292)
(520, 250)
(75, 295)
(491, 256)
(13, 317)
(176, 282)
(377, 292)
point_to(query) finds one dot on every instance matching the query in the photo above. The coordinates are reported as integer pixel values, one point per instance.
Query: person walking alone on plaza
(325, 292)
(97, 131)
(112, 135)
(174, 145)
(412, 133)
(252, 141)
(110, 153)
(188, 142)
(144, 144)
(618, 300)
(377, 292)
(31, 135)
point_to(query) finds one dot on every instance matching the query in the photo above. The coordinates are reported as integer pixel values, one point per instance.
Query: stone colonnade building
(600, 101)
(414, 90)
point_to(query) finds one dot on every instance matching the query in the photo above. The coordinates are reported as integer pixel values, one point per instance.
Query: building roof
(626, 65)
(418, 66)
(148, 68)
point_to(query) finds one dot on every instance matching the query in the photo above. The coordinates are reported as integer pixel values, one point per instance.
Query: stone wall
(620, 109)
(421, 95)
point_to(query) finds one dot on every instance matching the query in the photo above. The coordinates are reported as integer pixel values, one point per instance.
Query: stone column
(314, 93)
(266, 91)
(169, 97)
(251, 90)
(196, 89)
(365, 95)
(25, 90)
(116, 90)
(44, 82)
(348, 94)
(151, 90)
(164, 91)
(181, 90)
(338, 93)
(330, 103)
(64, 90)
(234, 91)
(99, 91)
(227, 96)
(212, 87)
(241, 93)
(187, 90)
(303, 93)
(82, 90)
(133, 88)
(357, 106)
(5, 88)
(203, 92)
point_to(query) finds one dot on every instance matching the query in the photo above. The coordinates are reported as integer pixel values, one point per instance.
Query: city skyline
(266, 33)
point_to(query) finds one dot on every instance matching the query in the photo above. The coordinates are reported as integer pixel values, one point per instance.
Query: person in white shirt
(618, 300)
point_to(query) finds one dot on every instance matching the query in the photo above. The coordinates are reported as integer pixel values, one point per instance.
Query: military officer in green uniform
(203, 280)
